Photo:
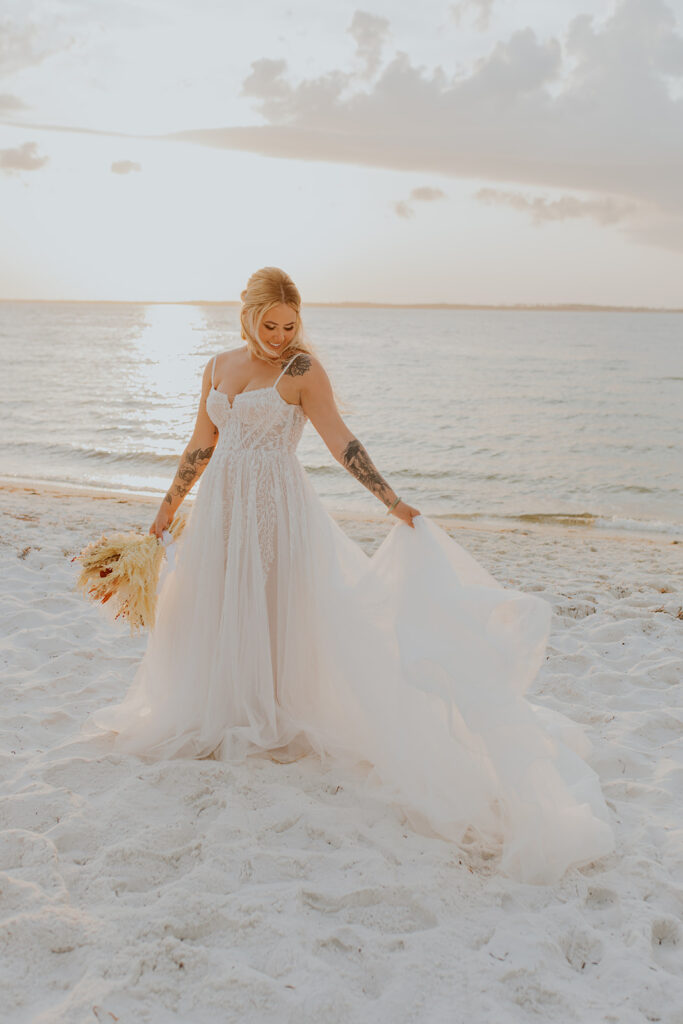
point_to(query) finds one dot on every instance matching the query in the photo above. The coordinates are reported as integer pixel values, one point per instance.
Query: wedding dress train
(276, 634)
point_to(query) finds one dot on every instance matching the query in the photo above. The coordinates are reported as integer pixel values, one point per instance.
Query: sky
(477, 151)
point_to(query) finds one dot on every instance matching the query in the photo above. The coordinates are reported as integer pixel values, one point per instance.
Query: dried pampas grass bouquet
(123, 568)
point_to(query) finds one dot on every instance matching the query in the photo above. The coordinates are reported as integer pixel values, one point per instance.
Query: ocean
(567, 417)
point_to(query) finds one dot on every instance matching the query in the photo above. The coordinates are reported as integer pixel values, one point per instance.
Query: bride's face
(277, 328)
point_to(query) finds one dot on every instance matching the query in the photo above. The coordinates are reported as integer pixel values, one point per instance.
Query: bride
(276, 635)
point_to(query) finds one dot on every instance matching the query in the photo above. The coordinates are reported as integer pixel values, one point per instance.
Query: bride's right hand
(162, 522)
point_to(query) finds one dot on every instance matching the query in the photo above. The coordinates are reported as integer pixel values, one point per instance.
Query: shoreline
(523, 524)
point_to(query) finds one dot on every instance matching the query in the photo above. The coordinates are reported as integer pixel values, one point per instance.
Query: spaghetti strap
(213, 367)
(287, 367)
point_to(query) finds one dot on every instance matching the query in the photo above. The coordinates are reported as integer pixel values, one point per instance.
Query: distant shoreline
(559, 307)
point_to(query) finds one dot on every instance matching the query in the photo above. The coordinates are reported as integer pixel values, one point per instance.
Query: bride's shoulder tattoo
(299, 367)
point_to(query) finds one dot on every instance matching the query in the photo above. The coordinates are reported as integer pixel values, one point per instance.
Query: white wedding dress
(277, 635)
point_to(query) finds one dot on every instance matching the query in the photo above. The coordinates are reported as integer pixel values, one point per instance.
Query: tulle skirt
(277, 635)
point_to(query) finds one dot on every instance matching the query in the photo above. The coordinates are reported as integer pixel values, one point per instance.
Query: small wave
(141, 458)
(604, 522)
(551, 518)
(79, 484)
(582, 519)
(638, 525)
(591, 519)
(322, 470)
(557, 518)
(421, 474)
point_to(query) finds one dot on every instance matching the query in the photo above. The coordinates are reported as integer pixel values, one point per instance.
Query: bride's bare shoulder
(232, 354)
(227, 357)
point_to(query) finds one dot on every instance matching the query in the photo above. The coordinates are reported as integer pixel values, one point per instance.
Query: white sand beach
(196, 892)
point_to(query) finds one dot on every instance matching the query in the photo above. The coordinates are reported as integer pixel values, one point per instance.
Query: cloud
(480, 9)
(370, 32)
(408, 120)
(422, 194)
(125, 166)
(280, 103)
(605, 210)
(592, 112)
(596, 113)
(24, 158)
(9, 103)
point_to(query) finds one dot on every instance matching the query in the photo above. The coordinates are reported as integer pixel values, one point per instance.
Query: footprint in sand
(604, 904)
(348, 951)
(383, 909)
(666, 944)
(582, 948)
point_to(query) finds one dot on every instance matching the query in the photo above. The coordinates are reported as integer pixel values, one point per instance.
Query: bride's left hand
(405, 513)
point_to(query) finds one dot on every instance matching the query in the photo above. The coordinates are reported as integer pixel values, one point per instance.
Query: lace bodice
(253, 467)
(258, 420)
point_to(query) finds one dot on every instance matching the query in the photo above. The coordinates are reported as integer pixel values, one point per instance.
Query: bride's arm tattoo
(356, 459)
(192, 465)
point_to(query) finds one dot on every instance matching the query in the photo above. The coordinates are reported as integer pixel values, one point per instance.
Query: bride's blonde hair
(266, 288)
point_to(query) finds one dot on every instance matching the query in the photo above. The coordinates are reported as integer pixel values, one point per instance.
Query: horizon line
(353, 304)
